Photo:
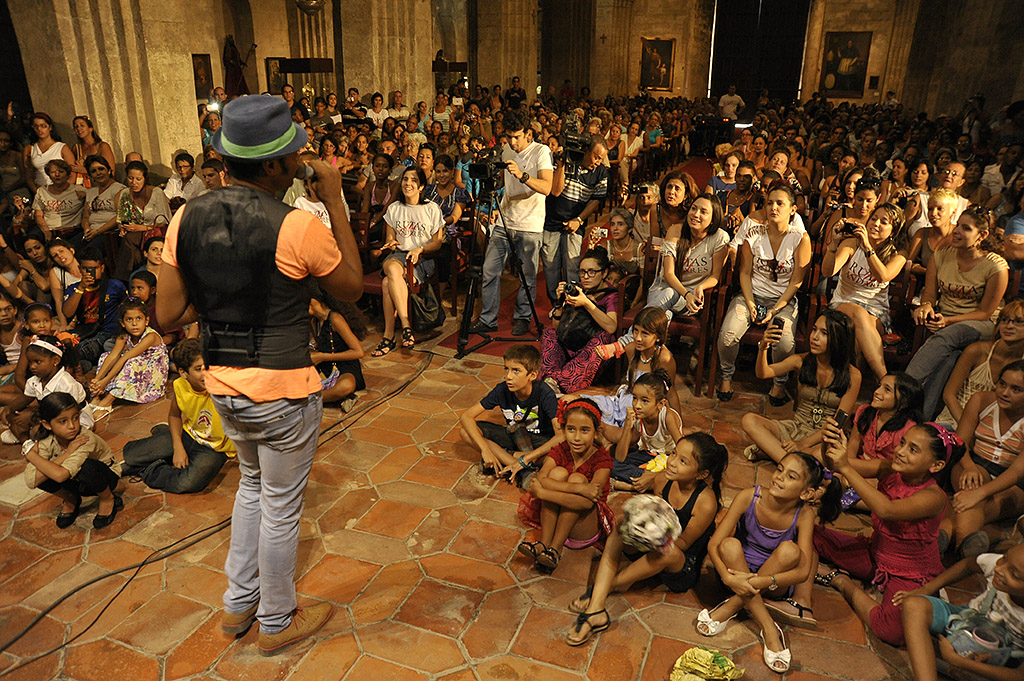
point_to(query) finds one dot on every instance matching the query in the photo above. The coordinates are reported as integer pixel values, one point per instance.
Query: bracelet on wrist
(868, 254)
(775, 584)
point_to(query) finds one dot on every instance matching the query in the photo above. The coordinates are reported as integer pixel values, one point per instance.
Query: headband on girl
(38, 342)
(949, 438)
(563, 409)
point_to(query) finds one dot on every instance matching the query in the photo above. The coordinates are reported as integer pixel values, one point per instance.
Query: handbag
(977, 637)
(425, 310)
(578, 326)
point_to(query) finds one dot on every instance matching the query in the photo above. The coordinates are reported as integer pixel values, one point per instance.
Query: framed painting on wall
(202, 74)
(275, 78)
(844, 63)
(657, 57)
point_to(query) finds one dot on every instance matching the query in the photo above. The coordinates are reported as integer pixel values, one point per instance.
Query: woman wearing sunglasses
(773, 260)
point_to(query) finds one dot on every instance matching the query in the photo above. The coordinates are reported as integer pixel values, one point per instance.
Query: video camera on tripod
(487, 165)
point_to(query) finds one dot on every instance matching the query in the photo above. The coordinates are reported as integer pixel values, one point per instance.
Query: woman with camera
(866, 258)
(773, 261)
(585, 320)
(963, 288)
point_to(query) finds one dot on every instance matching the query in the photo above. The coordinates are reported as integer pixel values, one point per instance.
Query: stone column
(388, 44)
(122, 63)
(314, 37)
(507, 43)
(609, 70)
(904, 19)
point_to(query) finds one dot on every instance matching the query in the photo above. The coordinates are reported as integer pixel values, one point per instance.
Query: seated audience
(59, 205)
(101, 198)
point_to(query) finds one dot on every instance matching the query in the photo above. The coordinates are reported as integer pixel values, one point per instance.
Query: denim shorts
(941, 612)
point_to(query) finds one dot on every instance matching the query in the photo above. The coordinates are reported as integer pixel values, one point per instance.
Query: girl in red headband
(567, 498)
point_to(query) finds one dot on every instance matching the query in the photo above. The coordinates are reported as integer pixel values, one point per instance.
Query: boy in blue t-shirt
(529, 408)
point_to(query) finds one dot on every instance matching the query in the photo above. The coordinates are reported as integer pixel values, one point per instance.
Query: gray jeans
(560, 253)
(527, 245)
(735, 324)
(276, 442)
(934, 361)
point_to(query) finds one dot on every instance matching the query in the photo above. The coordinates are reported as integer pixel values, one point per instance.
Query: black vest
(252, 314)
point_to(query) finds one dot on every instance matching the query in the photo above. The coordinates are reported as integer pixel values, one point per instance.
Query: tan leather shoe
(305, 623)
(240, 623)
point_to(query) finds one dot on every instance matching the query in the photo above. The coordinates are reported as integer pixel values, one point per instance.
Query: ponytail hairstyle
(946, 445)
(909, 398)
(657, 381)
(652, 320)
(582, 405)
(131, 303)
(820, 477)
(897, 241)
(51, 406)
(839, 329)
(711, 457)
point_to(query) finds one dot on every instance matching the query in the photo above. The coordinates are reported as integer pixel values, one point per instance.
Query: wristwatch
(524, 178)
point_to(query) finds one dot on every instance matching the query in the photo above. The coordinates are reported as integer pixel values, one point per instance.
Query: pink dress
(900, 555)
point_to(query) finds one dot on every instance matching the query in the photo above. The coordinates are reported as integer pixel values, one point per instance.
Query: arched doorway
(13, 83)
(238, 22)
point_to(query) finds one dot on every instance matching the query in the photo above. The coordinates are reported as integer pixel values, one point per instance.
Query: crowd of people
(808, 200)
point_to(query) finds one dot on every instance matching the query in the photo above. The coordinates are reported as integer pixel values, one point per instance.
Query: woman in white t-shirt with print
(413, 227)
(691, 265)
(773, 261)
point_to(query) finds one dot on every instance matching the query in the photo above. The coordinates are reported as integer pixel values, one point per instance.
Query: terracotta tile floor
(413, 546)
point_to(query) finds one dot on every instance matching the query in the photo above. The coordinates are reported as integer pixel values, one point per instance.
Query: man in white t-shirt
(527, 178)
(185, 184)
(731, 104)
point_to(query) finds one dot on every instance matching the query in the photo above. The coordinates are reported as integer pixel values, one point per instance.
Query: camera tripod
(475, 275)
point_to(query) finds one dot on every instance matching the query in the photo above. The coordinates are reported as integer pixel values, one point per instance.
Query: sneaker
(305, 623)
(480, 328)
(521, 327)
(9, 438)
(240, 623)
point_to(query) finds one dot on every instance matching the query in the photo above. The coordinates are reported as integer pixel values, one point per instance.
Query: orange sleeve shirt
(305, 247)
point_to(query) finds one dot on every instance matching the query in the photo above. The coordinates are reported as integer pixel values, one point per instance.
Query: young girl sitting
(879, 428)
(645, 349)
(335, 350)
(649, 434)
(71, 462)
(136, 368)
(763, 547)
(902, 553)
(44, 359)
(691, 484)
(567, 498)
(827, 381)
(989, 484)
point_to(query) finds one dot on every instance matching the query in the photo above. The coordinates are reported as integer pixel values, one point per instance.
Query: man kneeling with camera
(580, 182)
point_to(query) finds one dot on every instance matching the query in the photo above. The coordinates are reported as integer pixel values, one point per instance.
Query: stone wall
(620, 24)
(891, 23)
(963, 48)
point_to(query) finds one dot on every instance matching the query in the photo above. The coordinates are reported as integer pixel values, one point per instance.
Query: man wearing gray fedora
(238, 259)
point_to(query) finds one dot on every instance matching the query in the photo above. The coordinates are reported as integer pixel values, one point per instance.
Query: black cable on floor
(157, 555)
(201, 534)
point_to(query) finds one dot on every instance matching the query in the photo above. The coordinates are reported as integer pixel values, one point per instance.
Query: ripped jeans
(735, 324)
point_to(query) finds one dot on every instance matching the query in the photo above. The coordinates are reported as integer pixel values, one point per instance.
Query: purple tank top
(758, 541)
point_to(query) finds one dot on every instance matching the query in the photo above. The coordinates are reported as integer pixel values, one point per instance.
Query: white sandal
(707, 625)
(100, 413)
(779, 661)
